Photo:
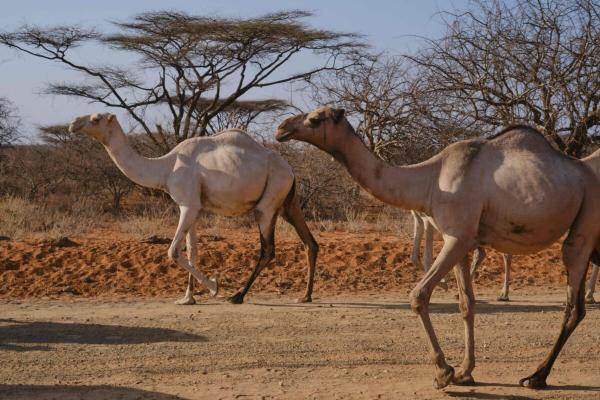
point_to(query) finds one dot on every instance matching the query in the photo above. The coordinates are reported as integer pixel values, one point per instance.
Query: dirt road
(367, 346)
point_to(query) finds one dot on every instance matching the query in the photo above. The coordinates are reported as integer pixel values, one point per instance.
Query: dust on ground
(369, 346)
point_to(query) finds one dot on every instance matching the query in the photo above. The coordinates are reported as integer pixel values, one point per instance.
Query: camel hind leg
(576, 249)
(292, 213)
(506, 286)
(591, 285)
(266, 226)
(265, 213)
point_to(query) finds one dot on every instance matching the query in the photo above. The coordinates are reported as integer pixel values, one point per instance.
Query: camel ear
(111, 117)
(315, 117)
(337, 114)
(94, 119)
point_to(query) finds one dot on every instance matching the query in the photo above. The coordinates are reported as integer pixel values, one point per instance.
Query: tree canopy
(190, 68)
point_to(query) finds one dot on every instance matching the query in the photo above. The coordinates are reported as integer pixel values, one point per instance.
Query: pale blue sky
(387, 25)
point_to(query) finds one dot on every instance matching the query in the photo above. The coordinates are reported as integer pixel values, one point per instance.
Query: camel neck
(147, 172)
(406, 187)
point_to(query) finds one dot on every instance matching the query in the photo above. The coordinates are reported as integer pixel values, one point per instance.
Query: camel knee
(574, 315)
(466, 306)
(173, 253)
(418, 300)
(268, 253)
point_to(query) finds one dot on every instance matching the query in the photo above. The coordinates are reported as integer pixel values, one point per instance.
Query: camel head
(99, 126)
(316, 127)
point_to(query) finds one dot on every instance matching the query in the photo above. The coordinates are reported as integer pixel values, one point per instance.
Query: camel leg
(266, 226)
(467, 309)
(191, 246)
(452, 252)
(505, 288)
(292, 213)
(187, 217)
(576, 254)
(415, 256)
(591, 285)
(477, 261)
(428, 250)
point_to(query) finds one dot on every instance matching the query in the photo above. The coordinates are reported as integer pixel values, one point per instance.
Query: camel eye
(314, 120)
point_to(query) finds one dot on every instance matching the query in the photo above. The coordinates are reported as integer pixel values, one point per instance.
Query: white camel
(226, 174)
(513, 192)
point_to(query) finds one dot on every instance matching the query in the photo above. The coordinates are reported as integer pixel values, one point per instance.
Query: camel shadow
(492, 396)
(14, 333)
(482, 307)
(68, 392)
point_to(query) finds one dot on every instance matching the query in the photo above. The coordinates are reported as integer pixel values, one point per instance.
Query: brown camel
(512, 192)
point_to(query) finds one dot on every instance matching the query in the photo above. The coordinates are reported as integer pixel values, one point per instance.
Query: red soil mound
(108, 263)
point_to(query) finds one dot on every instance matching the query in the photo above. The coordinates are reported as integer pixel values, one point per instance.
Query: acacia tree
(536, 60)
(182, 60)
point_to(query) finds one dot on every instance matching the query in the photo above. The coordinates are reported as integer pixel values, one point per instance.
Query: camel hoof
(533, 382)
(443, 379)
(305, 299)
(214, 287)
(236, 299)
(461, 379)
(502, 298)
(186, 301)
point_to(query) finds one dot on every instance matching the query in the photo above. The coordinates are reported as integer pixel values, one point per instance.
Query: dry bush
(148, 224)
(213, 224)
(284, 230)
(23, 219)
(355, 220)
(393, 220)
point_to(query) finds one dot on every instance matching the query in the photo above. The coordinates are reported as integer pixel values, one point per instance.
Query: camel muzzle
(77, 124)
(283, 135)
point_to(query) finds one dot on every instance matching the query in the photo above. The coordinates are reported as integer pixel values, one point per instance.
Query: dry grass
(21, 219)
(151, 222)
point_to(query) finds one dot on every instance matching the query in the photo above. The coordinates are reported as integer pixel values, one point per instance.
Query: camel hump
(517, 128)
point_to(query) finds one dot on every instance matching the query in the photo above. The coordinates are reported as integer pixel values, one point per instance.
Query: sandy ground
(110, 264)
(368, 346)
(96, 321)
